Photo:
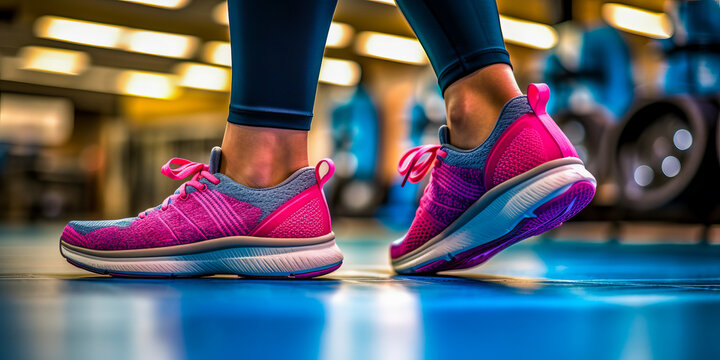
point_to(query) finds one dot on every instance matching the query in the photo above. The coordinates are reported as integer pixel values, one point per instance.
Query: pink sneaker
(213, 225)
(525, 179)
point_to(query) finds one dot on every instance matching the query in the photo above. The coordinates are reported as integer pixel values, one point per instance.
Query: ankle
(474, 103)
(262, 157)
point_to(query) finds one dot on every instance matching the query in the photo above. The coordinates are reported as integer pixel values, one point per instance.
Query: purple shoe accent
(140, 276)
(299, 276)
(130, 275)
(548, 216)
(524, 138)
(86, 267)
(317, 273)
(451, 191)
(305, 275)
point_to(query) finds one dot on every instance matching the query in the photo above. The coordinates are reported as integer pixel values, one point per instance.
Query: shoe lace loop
(186, 168)
(413, 170)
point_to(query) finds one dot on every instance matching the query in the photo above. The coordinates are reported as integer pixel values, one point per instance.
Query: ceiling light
(528, 33)
(117, 37)
(638, 21)
(59, 61)
(217, 52)
(339, 72)
(220, 13)
(390, 47)
(205, 77)
(339, 35)
(388, 2)
(78, 31)
(147, 84)
(167, 4)
(160, 43)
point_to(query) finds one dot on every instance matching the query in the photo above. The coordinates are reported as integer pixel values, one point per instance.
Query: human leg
(255, 209)
(504, 171)
(277, 49)
(465, 45)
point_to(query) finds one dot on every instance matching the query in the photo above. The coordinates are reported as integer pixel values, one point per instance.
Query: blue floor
(539, 299)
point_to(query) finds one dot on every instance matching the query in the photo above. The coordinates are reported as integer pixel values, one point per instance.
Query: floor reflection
(373, 321)
(548, 300)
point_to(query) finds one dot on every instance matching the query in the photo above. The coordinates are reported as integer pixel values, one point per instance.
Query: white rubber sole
(485, 222)
(256, 261)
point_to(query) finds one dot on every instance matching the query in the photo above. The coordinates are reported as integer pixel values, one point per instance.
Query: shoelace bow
(413, 170)
(185, 169)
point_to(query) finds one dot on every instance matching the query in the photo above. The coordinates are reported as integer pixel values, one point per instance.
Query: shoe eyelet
(184, 197)
(203, 188)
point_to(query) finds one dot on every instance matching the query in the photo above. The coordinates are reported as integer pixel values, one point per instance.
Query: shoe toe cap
(397, 249)
(72, 236)
(97, 235)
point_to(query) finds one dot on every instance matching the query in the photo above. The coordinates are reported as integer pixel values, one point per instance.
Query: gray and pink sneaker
(213, 225)
(525, 179)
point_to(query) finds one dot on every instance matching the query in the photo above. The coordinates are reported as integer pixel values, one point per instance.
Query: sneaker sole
(285, 262)
(526, 209)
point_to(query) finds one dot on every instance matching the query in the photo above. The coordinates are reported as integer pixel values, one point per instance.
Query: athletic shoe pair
(523, 180)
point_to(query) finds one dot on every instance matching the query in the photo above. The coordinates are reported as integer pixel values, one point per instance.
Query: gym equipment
(353, 191)
(693, 52)
(590, 68)
(589, 132)
(426, 114)
(666, 160)
(589, 73)
(666, 152)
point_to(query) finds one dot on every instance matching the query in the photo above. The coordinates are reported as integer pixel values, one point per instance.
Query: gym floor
(539, 299)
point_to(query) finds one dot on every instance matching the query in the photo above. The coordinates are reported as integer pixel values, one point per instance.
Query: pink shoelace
(413, 170)
(186, 168)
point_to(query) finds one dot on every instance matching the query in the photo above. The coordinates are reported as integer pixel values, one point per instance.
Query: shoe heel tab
(322, 179)
(538, 96)
(305, 215)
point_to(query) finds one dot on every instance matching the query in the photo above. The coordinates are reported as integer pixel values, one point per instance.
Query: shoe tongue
(443, 134)
(214, 163)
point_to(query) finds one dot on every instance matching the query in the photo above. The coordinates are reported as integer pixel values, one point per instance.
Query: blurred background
(95, 95)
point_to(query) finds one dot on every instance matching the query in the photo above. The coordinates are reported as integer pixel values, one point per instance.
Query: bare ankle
(262, 157)
(474, 102)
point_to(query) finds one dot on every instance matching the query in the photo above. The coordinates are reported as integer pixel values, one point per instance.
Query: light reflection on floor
(540, 299)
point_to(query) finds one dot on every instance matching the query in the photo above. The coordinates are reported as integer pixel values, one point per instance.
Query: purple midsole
(548, 216)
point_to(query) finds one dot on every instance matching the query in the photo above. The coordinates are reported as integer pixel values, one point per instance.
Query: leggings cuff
(470, 63)
(269, 117)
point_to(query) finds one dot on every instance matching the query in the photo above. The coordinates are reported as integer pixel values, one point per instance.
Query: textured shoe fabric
(213, 206)
(214, 211)
(524, 138)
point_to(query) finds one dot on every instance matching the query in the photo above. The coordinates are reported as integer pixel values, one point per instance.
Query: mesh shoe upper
(521, 140)
(206, 210)
(451, 191)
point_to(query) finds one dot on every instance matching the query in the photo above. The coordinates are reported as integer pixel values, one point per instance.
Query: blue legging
(277, 48)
